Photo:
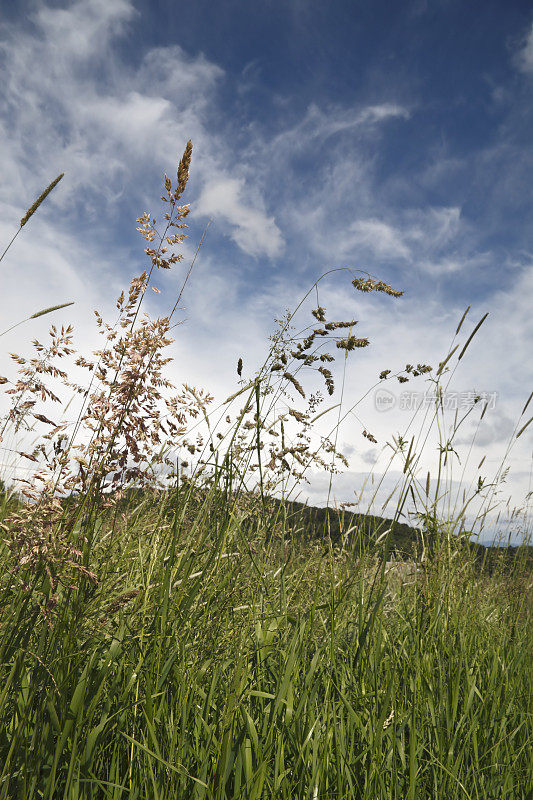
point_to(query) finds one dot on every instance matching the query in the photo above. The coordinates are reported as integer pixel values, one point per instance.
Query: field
(173, 626)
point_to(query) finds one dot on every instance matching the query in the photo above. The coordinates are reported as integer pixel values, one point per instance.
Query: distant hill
(362, 530)
(314, 521)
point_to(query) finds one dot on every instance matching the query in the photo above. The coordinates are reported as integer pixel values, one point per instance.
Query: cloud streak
(525, 54)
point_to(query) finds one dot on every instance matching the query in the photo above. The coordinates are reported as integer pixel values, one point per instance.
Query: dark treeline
(354, 530)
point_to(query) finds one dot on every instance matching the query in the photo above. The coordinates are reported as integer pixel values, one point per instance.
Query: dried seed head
(319, 313)
(330, 386)
(389, 720)
(120, 601)
(352, 342)
(423, 368)
(183, 170)
(332, 326)
(297, 415)
(370, 285)
(294, 382)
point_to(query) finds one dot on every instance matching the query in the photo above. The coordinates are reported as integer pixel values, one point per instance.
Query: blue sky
(391, 137)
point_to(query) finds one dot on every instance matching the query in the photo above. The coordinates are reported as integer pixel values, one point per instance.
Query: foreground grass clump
(205, 664)
(172, 625)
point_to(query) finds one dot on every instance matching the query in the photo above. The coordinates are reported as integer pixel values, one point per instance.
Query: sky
(393, 138)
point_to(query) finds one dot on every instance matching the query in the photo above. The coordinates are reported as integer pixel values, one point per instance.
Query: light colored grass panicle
(120, 426)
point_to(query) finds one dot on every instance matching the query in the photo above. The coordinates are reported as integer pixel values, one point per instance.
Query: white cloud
(85, 29)
(177, 75)
(524, 57)
(112, 137)
(490, 431)
(432, 240)
(456, 263)
(441, 224)
(369, 457)
(381, 239)
(381, 112)
(129, 119)
(319, 124)
(250, 227)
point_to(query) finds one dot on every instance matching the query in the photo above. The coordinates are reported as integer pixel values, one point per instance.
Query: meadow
(173, 625)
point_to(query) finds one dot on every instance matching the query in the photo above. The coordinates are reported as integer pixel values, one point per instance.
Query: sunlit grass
(174, 631)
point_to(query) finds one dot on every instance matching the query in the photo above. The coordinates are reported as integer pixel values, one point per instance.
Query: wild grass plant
(172, 626)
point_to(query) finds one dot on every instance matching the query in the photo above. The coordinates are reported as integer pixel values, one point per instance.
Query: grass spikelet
(351, 343)
(50, 309)
(442, 364)
(32, 209)
(462, 320)
(239, 392)
(478, 326)
(522, 429)
(297, 415)
(294, 382)
(183, 170)
(370, 285)
(37, 314)
(319, 313)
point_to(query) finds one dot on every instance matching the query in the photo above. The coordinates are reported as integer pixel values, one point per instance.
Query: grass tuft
(173, 624)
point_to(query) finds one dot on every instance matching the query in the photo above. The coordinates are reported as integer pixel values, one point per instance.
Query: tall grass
(174, 631)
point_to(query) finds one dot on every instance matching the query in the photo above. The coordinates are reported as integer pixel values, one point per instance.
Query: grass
(171, 631)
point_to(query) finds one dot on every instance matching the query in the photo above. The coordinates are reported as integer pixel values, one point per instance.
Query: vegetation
(174, 625)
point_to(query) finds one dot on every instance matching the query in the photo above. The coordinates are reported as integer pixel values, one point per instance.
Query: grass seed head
(32, 209)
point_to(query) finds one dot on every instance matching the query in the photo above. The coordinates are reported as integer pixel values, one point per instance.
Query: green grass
(206, 640)
(207, 665)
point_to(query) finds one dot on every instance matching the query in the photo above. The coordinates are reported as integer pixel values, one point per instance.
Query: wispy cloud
(524, 56)
(412, 234)
(319, 124)
(251, 228)
(85, 29)
(109, 125)
(489, 432)
(381, 239)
